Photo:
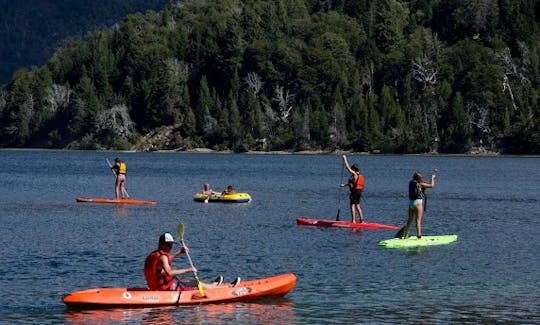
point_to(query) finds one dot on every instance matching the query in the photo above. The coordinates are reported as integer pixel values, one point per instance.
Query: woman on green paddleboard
(417, 203)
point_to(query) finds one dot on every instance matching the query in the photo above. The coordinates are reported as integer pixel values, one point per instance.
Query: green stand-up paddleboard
(415, 242)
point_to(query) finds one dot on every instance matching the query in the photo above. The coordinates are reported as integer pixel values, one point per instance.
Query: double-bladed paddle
(180, 234)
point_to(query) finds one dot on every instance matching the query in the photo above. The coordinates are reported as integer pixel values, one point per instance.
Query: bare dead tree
(283, 98)
(57, 97)
(180, 69)
(270, 119)
(507, 87)
(479, 116)
(254, 83)
(116, 120)
(423, 71)
(367, 78)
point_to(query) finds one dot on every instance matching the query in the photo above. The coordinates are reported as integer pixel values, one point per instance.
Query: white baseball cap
(166, 238)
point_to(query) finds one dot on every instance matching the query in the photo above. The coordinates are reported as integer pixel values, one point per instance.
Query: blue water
(50, 245)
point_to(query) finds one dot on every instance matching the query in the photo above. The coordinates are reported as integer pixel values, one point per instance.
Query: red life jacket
(156, 277)
(359, 185)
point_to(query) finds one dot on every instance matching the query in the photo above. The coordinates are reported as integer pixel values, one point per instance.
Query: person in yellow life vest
(356, 185)
(120, 169)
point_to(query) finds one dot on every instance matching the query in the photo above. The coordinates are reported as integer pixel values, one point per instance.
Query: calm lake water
(50, 245)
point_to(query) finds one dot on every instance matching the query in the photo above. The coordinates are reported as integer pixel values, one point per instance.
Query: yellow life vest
(123, 168)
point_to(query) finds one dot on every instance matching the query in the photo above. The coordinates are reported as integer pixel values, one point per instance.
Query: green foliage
(387, 76)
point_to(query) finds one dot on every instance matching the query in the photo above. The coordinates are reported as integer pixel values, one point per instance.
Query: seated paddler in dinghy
(229, 195)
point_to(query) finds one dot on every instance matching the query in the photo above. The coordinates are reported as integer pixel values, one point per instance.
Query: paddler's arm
(347, 165)
(179, 252)
(172, 272)
(429, 185)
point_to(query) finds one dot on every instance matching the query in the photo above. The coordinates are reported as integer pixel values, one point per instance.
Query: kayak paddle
(180, 234)
(110, 166)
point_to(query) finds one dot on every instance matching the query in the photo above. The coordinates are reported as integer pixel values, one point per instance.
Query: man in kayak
(160, 275)
(120, 169)
(417, 203)
(356, 185)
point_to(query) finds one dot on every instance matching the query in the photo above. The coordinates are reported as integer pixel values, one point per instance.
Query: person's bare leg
(409, 222)
(353, 214)
(419, 213)
(360, 214)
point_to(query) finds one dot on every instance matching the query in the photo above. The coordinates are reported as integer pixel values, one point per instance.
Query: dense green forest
(31, 31)
(385, 76)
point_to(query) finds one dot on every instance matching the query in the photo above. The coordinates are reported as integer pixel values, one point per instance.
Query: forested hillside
(369, 75)
(32, 30)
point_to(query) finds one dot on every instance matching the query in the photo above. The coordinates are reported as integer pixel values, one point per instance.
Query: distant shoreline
(283, 152)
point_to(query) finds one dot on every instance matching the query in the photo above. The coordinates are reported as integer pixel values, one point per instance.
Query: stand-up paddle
(124, 191)
(180, 234)
(339, 191)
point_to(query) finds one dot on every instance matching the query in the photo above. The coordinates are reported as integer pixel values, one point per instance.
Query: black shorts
(355, 196)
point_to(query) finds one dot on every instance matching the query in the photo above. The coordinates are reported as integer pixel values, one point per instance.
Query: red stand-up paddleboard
(114, 201)
(342, 224)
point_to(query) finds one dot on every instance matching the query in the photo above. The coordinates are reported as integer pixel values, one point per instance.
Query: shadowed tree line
(379, 75)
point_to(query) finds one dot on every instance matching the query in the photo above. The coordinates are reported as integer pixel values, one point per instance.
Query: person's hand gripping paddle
(180, 234)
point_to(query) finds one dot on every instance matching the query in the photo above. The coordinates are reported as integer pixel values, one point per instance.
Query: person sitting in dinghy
(160, 275)
(229, 190)
(207, 190)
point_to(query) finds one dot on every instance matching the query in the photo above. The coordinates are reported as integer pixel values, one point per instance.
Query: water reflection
(272, 311)
(120, 210)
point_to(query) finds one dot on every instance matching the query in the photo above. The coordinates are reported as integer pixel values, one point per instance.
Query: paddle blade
(400, 233)
(199, 285)
(180, 231)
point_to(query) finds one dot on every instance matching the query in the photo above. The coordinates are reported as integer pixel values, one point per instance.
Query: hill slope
(31, 31)
(384, 76)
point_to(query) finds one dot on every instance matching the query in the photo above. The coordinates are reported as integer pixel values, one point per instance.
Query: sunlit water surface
(50, 245)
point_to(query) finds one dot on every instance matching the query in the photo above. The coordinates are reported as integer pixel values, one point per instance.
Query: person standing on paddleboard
(417, 202)
(356, 185)
(120, 169)
(160, 275)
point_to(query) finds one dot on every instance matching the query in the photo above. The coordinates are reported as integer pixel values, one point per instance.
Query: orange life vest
(359, 184)
(156, 277)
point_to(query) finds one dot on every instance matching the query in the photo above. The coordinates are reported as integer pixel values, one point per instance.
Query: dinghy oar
(180, 234)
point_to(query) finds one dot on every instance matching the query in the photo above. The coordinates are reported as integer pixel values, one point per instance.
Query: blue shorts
(414, 203)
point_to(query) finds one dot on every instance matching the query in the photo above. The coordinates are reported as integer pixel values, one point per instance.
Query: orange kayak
(115, 201)
(274, 286)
